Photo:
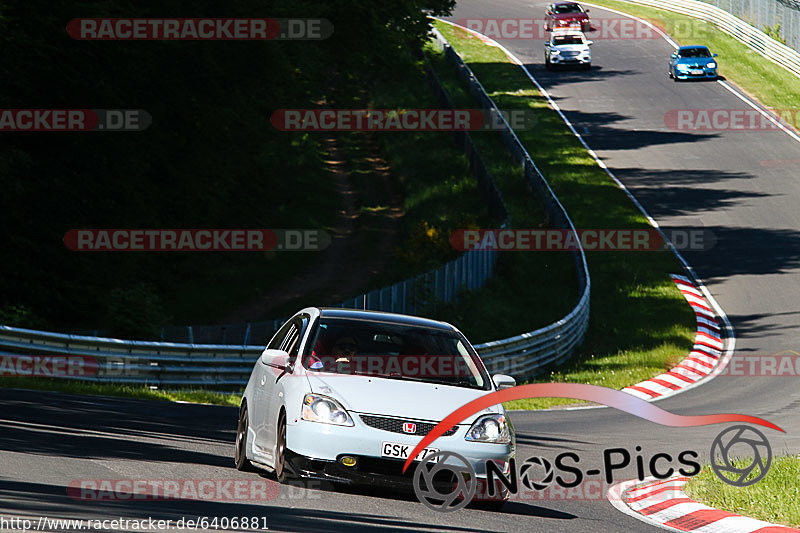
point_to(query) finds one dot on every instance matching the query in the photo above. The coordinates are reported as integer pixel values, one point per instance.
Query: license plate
(696, 72)
(396, 450)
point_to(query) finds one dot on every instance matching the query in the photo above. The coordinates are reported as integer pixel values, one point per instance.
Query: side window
(292, 338)
(277, 340)
(295, 336)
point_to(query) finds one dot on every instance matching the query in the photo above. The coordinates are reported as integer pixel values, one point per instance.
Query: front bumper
(387, 473)
(575, 60)
(315, 451)
(583, 25)
(707, 73)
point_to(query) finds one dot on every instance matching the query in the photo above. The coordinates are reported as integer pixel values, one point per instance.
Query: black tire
(281, 471)
(587, 66)
(240, 450)
(675, 79)
(547, 64)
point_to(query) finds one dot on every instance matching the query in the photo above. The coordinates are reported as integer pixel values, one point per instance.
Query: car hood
(394, 397)
(694, 60)
(571, 47)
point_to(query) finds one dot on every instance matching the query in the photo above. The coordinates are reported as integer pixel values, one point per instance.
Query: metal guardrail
(756, 39)
(767, 13)
(168, 364)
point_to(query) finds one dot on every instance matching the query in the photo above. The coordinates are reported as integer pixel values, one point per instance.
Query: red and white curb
(701, 361)
(663, 503)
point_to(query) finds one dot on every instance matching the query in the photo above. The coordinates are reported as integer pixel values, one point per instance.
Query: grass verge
(640, 324)
(773, 499)
(138, 392)
(737, 62)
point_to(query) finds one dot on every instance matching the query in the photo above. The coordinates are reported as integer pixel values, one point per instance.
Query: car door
(271, 390)
(265, 375)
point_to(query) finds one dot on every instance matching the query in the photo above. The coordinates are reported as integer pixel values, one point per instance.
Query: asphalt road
(741, 186)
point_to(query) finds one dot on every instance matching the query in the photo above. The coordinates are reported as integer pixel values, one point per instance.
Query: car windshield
(695, 52)
(568, 39)
(395, 351)
(567, 8)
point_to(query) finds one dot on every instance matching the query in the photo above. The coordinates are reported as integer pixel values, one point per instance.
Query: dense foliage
(210, 159)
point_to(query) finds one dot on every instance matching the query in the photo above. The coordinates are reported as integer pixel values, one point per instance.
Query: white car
(567, 47)
(344, 395)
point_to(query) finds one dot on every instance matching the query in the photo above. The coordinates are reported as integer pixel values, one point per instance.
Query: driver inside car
(344, 349)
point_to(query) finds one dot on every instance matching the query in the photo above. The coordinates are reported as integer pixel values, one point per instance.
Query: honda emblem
(409, 427)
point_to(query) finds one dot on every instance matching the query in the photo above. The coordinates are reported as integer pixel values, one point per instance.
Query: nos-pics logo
(446, 481)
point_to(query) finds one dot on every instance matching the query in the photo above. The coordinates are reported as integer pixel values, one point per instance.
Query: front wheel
(240, 453)
(280, 450)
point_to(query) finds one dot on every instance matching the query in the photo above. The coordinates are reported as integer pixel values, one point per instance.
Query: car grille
(570, 54)
(395, 425)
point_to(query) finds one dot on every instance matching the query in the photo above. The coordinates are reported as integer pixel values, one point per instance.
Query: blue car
(693, 62)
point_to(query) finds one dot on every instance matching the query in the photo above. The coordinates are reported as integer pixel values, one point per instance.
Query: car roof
(380, 316)
(691, 46)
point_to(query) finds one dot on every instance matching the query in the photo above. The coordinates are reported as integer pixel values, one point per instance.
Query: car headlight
(325, 410)
(711, 65)
(554, 52)
(682, 67)
(490, 428)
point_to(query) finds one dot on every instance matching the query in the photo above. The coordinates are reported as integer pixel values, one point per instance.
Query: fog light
(348, 461)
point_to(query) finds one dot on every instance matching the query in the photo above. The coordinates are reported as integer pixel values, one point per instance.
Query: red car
(566, 14)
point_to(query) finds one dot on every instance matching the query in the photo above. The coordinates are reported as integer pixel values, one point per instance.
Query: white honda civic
(345, 395)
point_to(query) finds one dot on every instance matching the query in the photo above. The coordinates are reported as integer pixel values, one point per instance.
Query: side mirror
(502, 381)
(713, 55)
(589, 43)
(585, 10)
(277, 359)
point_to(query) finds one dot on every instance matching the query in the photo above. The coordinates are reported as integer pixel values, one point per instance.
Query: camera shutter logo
(722, 458)
(459, 494)
(527, 467)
